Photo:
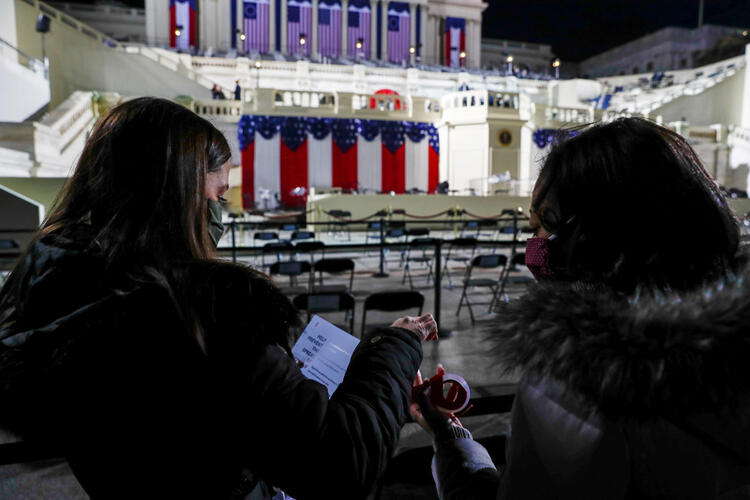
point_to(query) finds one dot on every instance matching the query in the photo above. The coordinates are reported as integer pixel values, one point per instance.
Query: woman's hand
(427, 416)
(424, 326)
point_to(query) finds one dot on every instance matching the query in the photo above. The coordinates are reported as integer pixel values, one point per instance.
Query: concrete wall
(72, 56)
(722, 103)
(22, 91)
(8, 28)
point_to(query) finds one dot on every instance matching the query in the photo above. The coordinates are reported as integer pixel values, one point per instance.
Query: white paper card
(325, 350)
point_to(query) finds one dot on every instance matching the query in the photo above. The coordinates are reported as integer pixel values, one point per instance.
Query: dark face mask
(537, 257)
(215, 226)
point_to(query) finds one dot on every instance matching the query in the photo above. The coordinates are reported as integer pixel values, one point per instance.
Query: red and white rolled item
(454, 402)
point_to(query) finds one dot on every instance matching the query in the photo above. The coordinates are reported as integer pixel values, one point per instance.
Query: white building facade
(402, 33)
(671, 48)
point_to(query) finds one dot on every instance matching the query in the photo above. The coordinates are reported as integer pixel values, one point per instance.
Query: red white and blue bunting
(284, 156)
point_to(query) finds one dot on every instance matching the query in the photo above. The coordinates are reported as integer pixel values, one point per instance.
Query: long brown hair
(139, 191)
(140, 184)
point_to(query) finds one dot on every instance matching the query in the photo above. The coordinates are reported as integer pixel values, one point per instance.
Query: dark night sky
(578, 29)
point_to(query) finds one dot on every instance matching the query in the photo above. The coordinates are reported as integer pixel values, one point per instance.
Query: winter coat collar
(638, 356)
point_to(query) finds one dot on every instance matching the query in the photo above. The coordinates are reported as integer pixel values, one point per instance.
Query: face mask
(537, 257)
(215, 226)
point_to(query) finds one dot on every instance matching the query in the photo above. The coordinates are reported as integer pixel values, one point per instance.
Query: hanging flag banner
(255, 25)
(182, 24)
(283, 157)
(398, 32)
(329, 28)
(299, 27)
(455, 41)
(358, 29)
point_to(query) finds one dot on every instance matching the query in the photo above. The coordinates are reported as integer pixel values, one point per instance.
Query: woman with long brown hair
(161, 371)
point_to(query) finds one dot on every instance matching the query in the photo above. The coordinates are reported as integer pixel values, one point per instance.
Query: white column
(423, 31)
(284, 13)
(345, 29)
(314, 38)
(373, 30)
(384, 31)
(475, 49)
(412, 30)
(239, 25)
(272, 25)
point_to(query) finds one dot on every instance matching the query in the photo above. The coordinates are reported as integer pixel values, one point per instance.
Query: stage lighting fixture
(509, 59)
(412, 50)
(302, 39)
(462, 55)
(242, 37)
(42, 23)
(360, 43)
(178, 30)
(257, 64)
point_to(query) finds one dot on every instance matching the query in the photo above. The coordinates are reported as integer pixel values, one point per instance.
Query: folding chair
(421, 246)
(302, 235)
(8, 244)
(373, 232)
(392, 301)
(470, 229)
(314, 303)
(335, 267)
(482, 262)
(518, 259)
(265, 236)
(293, 270)
(275, 248)
(457, 253)
(310, 248)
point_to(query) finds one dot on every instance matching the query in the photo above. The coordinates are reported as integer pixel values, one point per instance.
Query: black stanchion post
(442, 333)
(515, 240)
(234, 243)
(382, 273)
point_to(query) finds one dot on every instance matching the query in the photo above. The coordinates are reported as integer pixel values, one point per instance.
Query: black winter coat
(640, 397)
(141, 409)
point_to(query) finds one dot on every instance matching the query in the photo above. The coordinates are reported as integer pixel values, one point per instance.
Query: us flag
(329, 29)
(299, 22)
(255, 16)
(398, 32)
(359, 28)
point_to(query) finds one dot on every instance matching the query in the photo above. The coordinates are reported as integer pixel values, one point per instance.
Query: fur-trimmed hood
(639, 356)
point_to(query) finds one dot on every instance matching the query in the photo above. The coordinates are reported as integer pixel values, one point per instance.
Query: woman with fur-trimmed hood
(633, 347)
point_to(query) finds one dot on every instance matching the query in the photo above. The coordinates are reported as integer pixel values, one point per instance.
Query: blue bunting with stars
(293, 131)
(344, 132)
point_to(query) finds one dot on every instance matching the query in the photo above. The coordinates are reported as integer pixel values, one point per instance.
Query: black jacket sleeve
(313, 447)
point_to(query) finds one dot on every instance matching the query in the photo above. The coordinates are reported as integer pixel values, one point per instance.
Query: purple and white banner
(329, 29)
(398, 32)
(299, 24)
(255, 24)
(359, 29)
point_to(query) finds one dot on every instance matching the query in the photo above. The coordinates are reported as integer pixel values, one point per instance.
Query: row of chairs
(497, 286)
(316, 272)
(331, 302)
